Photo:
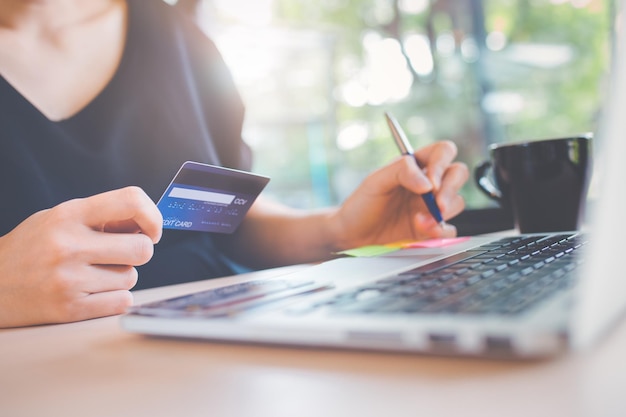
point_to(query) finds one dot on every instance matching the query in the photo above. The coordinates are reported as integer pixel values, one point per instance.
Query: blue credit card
(209, 198)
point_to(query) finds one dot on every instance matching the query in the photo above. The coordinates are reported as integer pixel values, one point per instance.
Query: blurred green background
(318, 75)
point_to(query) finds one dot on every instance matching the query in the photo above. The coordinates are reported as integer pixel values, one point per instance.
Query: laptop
(501, 296)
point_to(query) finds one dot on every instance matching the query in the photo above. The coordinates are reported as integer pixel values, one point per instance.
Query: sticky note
(376, 250)
(370, 250)
(435, 243)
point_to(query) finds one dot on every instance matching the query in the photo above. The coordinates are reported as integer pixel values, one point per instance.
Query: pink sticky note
(435, 243)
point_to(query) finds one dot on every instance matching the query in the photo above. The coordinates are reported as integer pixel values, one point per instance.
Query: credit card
(208, 198)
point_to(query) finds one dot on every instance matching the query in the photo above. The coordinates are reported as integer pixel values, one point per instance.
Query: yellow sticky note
(370, 250)
(375, 250)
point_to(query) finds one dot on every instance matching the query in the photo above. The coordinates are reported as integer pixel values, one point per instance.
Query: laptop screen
(602, 290)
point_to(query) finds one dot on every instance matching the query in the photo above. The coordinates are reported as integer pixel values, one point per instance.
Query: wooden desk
(93, 368)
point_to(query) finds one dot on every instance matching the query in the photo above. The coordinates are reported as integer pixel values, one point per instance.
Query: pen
(405, 148)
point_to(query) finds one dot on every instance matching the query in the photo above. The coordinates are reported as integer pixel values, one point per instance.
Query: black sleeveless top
(172, 99)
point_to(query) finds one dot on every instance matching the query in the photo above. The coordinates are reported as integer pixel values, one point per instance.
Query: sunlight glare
(421, 58)
(250, 12)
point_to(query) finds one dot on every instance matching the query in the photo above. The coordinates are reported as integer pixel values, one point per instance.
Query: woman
(100, 103)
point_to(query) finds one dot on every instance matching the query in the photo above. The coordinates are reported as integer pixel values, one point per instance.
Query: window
(317, 76)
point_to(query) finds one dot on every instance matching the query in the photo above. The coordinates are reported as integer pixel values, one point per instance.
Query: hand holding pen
(405, 148)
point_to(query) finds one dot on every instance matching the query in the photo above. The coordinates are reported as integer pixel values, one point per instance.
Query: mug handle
(484, 183)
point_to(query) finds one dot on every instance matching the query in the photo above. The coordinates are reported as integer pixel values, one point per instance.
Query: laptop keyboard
(503, 277)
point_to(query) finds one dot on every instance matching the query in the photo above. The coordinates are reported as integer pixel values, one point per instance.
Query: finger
(401, 172)
(430, 228)
(413, 177)
(119, 206)
(102, 304)
(454, 207)
(407, 173)
(448, 199)
(435, 159)
(453, 180)
(101, 248)
(103, 278)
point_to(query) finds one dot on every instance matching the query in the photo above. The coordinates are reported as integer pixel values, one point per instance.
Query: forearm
(275, 235)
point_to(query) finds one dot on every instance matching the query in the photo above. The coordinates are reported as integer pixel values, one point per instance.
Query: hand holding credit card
(209, 198)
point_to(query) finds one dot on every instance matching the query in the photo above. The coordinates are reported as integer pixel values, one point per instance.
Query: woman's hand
(388, 207)
(76, 261)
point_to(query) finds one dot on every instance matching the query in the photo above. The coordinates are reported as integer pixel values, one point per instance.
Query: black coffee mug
(543, 182)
